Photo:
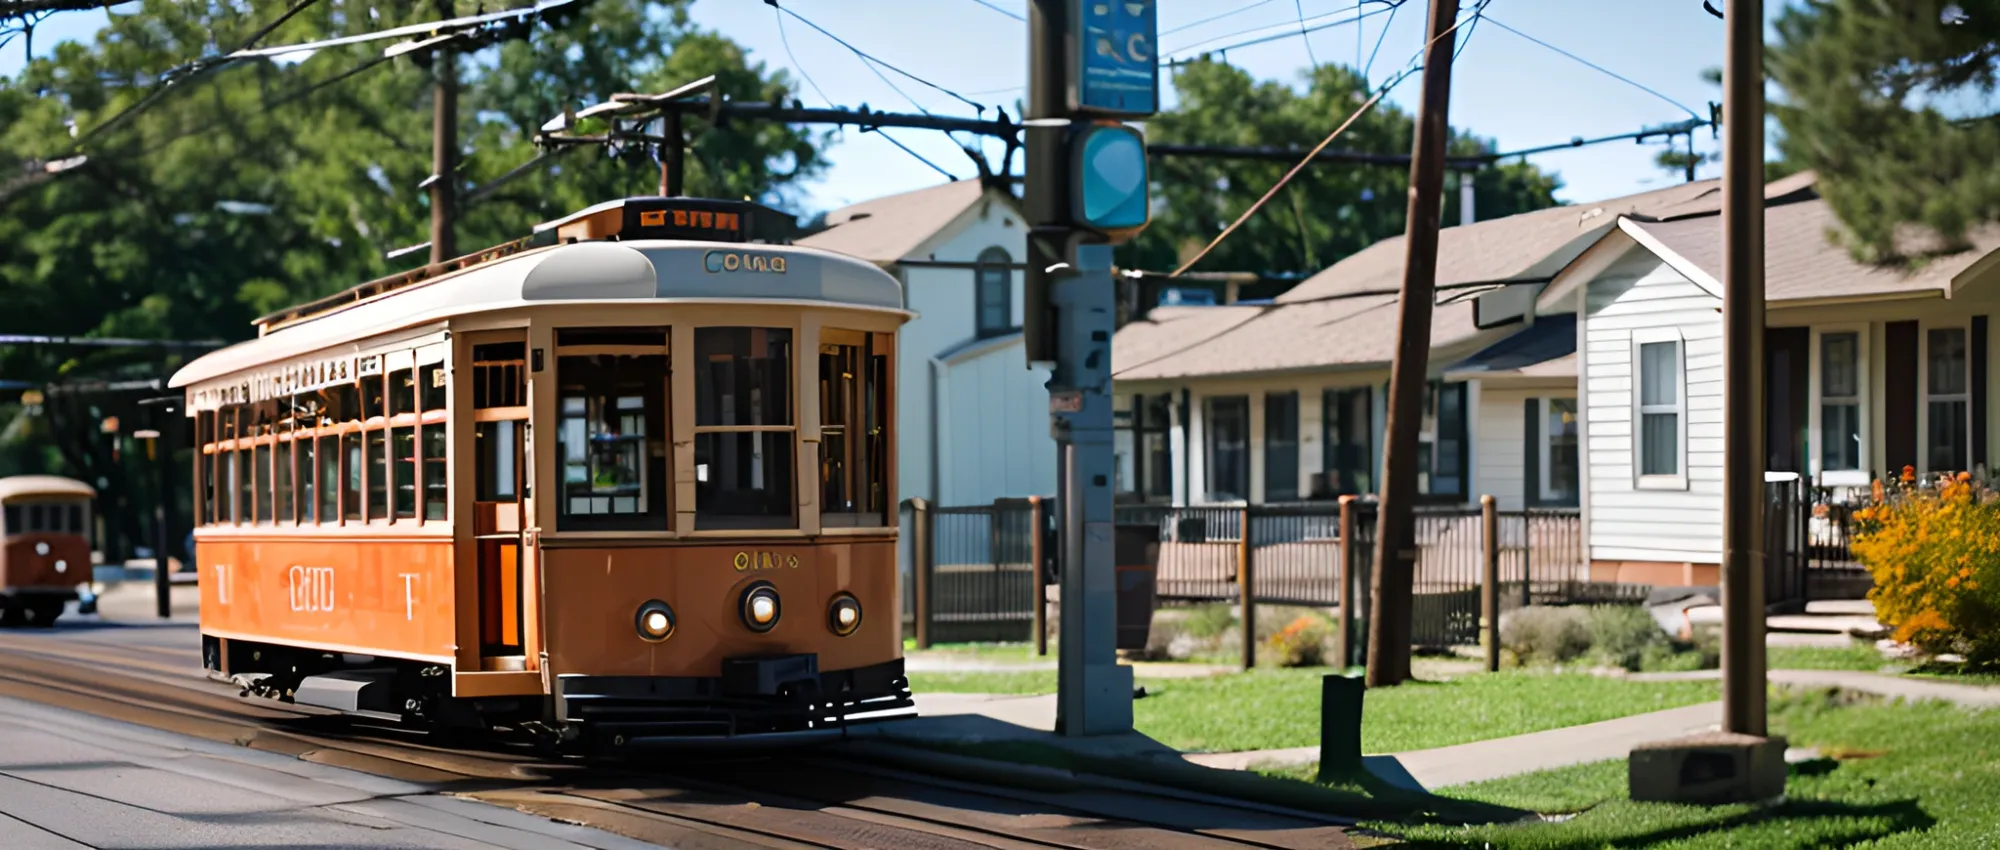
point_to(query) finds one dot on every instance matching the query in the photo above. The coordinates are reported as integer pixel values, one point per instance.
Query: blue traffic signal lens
(1111, 178)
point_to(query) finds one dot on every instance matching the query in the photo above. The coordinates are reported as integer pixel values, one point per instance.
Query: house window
(1441, 440)
(1348, 440)
(1661, 409)
(1947, 401)
(1281, 447)
(1559, 460)
(1840, 401)
(1145, 466)
(1228, 448)
(994, 282)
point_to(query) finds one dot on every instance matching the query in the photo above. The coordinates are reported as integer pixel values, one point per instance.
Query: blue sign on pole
(1118, 71)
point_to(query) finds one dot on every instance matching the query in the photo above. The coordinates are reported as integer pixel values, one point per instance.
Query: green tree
(1326, 212)
(1866, 85)
(263, 184)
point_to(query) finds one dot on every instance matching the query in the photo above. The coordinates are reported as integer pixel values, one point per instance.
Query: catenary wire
(1595, 67)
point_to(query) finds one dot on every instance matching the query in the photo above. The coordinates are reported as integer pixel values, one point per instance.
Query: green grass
(1858, 656)
(998, 652)
(1280, 708)
(1915, 776)
(1275, 709)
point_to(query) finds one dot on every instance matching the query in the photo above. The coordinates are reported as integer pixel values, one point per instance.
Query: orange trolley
(630, 479)
(46, 555)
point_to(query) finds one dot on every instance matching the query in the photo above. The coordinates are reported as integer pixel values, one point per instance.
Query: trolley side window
(854, 404)
(45, 517)
(611, 439)
(743, 445)
(204, 458)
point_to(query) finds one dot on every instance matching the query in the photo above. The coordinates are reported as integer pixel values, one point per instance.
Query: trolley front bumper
(782, 698)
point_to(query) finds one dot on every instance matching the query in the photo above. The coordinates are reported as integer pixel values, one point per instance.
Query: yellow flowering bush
(1934, 552)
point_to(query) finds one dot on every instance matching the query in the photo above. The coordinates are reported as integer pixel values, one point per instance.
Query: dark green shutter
(1531, 453)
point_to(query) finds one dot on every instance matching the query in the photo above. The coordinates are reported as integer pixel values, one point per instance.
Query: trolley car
(46, 555)
(629, 479)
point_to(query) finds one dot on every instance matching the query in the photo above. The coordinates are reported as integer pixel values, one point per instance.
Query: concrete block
(1713, 768)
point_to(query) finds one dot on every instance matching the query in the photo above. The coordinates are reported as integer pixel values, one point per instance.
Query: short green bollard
(1340, 726)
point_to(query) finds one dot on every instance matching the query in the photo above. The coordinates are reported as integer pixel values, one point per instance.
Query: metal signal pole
(444, 150)
(1743, 710)
(1395, 530)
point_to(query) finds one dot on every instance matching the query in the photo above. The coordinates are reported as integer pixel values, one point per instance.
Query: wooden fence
(975, 567)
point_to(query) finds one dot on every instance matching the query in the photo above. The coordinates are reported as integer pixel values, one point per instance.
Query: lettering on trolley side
(742, 261)
(747, 561)
(311, 589)
(409, 594)
(221, 584)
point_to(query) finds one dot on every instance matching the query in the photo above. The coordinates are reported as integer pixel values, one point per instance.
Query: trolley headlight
(655, 621)
(844, 615)
(760, 607)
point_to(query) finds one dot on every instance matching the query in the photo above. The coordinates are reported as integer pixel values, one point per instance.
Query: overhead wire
(865, 55)
(779, 13)
(1381, 92)
(1369, 68)
(1300, 6)
(1216, 17)
(1596, 67)
(1359, 16)
(1008, 12)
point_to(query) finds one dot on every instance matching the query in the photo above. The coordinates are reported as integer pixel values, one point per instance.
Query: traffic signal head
(1109, 181)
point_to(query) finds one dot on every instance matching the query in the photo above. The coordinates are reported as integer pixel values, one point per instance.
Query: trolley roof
(19, 486)
(600, 262)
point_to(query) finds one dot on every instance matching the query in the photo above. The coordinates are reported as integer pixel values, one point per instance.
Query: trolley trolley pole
(1090, 63)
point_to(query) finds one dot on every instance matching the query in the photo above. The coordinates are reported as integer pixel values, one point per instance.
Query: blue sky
(1504, 86)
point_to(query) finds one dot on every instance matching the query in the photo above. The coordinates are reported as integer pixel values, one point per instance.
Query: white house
(1285, 402)
(1868, 370)
(967, 430)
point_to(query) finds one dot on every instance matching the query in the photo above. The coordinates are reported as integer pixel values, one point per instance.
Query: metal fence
(974, 566)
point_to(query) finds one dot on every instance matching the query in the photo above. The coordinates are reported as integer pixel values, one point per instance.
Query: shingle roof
(889, 228)
(1801, 262)
(1545, 349)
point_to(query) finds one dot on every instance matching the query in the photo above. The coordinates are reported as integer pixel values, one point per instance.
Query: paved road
(70, 780)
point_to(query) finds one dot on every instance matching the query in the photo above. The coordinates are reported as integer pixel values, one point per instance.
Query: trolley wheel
(43, 615)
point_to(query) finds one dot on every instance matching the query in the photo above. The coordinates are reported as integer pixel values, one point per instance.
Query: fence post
(1246, 590)
(1527, 559)
(925, 550)
(1035, 519)
(1344, 629)
(1489, 585)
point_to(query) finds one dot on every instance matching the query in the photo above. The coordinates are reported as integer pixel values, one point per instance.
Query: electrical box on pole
(1090, 64)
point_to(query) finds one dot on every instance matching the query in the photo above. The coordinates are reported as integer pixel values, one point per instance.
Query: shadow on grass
(1358, 797)
(1796, 823)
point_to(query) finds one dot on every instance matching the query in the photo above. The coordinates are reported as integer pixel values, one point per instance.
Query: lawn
(1277, 708)
(1900, 776)
(1859, 656)
(1020, 653)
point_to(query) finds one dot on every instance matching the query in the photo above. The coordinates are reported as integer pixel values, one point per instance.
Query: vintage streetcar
(629, 480)
(46, 522)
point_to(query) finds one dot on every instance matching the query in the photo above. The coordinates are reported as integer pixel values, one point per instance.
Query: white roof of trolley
(19, 486)
(581, 272)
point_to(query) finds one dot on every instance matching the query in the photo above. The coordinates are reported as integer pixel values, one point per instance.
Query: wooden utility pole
(1743, 710)
(1395, 530)
(444, 149)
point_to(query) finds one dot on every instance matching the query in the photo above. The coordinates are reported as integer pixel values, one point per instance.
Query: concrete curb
(1175, 779)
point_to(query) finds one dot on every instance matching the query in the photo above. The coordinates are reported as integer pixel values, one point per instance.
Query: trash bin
(1138, 557)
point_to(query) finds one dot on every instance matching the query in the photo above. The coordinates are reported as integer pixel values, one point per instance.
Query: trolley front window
(743, 445)
(611, 431)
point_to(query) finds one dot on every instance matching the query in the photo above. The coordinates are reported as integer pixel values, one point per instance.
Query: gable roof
(1545, 349)
(1345, 316)
(892, 227)
(1802, 262)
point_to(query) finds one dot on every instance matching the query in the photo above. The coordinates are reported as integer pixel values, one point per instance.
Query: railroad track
(151, 676)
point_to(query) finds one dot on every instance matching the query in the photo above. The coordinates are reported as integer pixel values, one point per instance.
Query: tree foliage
(262, 184)
(1867, 85)
(1329, 210)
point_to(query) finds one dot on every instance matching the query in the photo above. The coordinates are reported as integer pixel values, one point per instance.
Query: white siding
(1627, 523)
(1500, 456)
(996, 443)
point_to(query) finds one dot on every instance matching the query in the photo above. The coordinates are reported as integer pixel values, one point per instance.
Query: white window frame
(1544, 447)
(1924, 393)
(1679, 480)
(1815, 436)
